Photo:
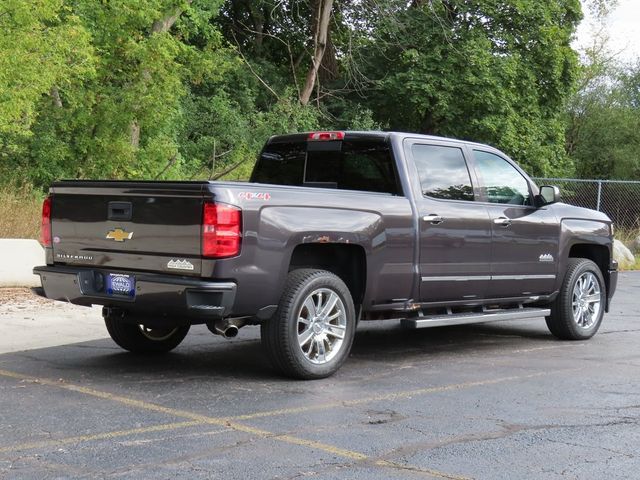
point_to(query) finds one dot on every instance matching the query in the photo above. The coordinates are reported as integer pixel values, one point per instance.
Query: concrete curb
(17, 259)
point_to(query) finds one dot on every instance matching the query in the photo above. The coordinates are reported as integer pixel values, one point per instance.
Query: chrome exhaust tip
(228, 328)
(230, 332)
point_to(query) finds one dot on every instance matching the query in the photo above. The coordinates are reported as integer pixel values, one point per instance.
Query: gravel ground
(21, 298)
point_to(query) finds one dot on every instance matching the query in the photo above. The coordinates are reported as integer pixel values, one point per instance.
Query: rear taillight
(221, 230)
(45, 228)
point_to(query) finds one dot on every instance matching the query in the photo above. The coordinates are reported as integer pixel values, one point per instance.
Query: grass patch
(20, 212)
(627, 235)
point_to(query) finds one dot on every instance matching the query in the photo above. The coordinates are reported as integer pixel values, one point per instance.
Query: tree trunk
(165, 24)
(329, 66)
(319, 32)
(135, 133)
(429, 124)
(258, 26)
(55, 94)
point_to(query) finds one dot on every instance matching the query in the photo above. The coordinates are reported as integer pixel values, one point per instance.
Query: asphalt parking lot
(495, 401)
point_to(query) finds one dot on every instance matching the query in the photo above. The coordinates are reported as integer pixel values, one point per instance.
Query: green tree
(495, 72)
(192, 88)
(119, 112)
(43, 48)
(604, 119)
(124, 122)
(161, 94)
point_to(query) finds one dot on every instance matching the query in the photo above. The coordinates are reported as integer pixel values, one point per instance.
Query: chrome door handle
(433, 219)
(504, 221)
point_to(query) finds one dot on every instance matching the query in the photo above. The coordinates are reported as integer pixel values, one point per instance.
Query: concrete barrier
(17, 259)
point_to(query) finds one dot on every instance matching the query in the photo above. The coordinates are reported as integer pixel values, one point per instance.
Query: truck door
(454, 230)
(525, 238)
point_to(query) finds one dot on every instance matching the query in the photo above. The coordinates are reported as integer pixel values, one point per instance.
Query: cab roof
(363, 135)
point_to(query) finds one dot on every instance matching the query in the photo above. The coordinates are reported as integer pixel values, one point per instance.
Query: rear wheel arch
(347, 261)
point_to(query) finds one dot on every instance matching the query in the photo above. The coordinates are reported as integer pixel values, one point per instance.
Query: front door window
(500, 182)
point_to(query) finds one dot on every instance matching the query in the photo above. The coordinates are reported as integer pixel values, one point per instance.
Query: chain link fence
(619, 199)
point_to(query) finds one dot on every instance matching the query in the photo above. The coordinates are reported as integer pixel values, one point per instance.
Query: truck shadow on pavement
(205, 355)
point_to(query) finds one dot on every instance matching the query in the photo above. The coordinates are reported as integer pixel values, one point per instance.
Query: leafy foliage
(43, 45)
(192, 88)
(135, 89)
(604, 120)
(495, 72)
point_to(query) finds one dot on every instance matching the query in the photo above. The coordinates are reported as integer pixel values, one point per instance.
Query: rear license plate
(121, 284)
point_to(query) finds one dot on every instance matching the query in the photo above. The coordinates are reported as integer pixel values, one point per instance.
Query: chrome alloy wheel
(586, 300)
(322, 323)
(157, 334)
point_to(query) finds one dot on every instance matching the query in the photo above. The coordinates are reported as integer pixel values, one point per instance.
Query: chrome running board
(424, 321)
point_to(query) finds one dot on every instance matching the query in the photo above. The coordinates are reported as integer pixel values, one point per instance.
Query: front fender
(575, 232)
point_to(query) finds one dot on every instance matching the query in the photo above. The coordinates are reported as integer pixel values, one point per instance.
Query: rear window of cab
(361, 165)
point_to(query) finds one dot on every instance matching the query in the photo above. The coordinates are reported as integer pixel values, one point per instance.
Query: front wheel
(576, 314)
(311, 333)
(139, 338)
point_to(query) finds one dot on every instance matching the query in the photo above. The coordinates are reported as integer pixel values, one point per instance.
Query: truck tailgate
(116, 225)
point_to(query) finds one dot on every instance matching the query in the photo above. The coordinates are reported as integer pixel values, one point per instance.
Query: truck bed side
(283, 226)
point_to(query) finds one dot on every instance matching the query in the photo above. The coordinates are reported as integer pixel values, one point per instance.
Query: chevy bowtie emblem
(119, 235)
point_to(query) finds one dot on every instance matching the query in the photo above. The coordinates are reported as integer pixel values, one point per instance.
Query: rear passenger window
(361, 166)
(443, 172)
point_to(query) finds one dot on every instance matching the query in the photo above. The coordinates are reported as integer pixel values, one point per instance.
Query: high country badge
(180, 265)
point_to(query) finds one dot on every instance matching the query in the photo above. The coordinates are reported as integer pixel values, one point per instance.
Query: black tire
(280, 334)
(563, 322)
(140, 339)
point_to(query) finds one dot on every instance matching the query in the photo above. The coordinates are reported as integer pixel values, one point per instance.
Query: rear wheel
(577, 312)
(311, 333)
(139, 338)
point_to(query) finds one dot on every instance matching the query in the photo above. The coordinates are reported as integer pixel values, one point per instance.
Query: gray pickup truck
(332, 228)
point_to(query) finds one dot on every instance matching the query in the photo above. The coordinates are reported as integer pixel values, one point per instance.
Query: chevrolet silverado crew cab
(331, 229)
